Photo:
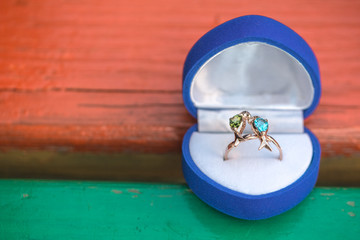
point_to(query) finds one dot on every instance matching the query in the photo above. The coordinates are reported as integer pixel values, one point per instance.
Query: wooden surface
(84, 75)
(95, 210)
(138, 167)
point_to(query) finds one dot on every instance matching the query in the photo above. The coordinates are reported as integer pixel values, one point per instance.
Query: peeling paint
(25, 195)
(351, 203)
(132, 190)
(116, 191)
(351, 214)
(327, 194)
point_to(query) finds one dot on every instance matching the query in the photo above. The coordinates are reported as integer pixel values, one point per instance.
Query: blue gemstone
(261, 124)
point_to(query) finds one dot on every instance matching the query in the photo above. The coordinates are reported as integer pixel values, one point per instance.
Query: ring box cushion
(256, 64)
(251, 171)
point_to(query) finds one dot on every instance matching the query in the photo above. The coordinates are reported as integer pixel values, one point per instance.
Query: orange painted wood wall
(106, 75)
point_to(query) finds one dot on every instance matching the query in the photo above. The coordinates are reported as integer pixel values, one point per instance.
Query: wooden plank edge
(149, 167)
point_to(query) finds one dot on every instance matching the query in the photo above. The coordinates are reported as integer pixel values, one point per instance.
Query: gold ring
(260, 127)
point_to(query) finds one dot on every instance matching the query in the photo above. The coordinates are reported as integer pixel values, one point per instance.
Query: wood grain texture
(82, 75)
(63, 163)
(111, 210)
(67, 164)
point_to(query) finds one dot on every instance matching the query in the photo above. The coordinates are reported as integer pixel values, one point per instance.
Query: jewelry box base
(249, 206)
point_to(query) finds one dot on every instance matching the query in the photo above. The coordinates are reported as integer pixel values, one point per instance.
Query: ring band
(259, 126)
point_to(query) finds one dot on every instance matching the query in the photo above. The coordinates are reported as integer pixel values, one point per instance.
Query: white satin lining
(248, 170)
(252, 75)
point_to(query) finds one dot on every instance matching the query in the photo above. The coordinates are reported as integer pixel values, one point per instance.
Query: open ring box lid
(257, 64)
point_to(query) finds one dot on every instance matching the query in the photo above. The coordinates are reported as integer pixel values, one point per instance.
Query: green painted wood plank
(32, 209)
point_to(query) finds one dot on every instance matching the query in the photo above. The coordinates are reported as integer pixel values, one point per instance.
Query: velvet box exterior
(223, 59)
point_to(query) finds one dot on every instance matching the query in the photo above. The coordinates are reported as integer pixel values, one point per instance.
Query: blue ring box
(250, 63)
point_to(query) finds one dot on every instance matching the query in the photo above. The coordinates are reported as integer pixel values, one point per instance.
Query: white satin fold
(252, 75)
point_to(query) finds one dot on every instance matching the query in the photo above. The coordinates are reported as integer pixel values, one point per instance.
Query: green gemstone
(235, 121)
